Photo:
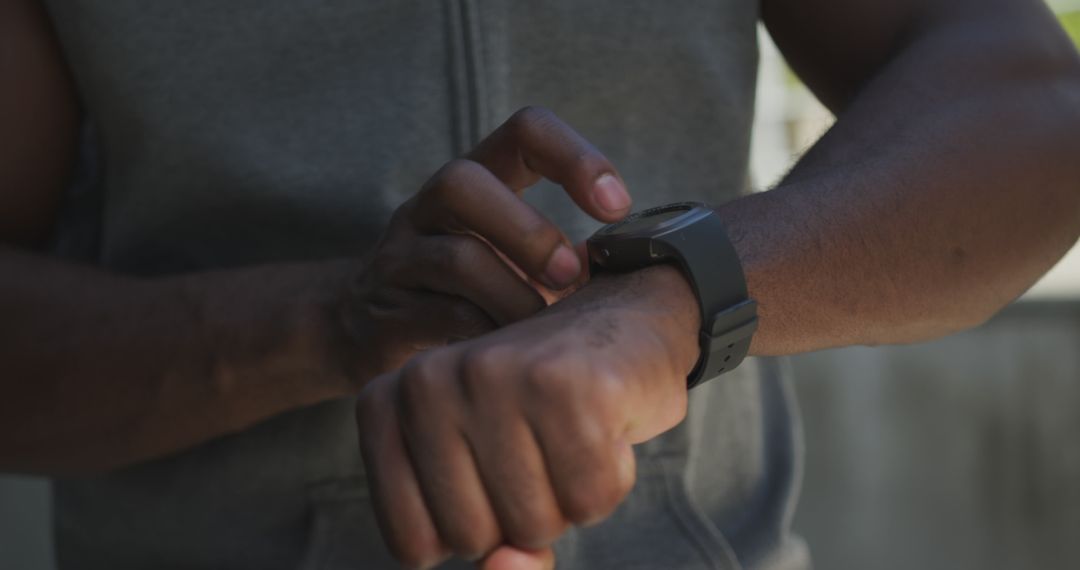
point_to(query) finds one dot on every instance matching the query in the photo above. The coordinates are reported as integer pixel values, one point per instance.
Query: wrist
(663, 297)
(273, 333)
(347, 343)
(759, 226)
(692, 237)
(677, 302)
(353, 345)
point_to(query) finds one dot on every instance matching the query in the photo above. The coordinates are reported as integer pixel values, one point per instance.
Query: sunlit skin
(947, 187)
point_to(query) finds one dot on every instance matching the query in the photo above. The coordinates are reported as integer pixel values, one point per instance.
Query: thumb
(583, 257)
(510, 558)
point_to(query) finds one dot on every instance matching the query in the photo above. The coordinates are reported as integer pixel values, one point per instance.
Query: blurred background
(959, 453)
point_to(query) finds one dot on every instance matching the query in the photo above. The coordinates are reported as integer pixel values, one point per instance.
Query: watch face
(654, 219)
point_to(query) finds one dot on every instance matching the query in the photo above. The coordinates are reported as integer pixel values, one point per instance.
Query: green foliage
(1071, 22)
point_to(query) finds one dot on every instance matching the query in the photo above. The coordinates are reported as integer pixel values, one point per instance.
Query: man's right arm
(99, 370)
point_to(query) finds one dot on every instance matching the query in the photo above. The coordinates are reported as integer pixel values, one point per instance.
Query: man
(194, 391)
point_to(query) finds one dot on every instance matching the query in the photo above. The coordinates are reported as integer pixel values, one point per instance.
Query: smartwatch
(690, 235)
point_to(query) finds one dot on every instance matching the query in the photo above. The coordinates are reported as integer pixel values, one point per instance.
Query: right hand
(466, 254)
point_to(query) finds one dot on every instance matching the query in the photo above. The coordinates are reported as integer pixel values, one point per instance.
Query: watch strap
(728, 316)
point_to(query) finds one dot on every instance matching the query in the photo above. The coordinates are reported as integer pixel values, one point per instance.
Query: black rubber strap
(728, 317)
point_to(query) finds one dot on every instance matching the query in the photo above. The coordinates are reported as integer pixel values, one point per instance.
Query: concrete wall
(25, 542)
(961, 453)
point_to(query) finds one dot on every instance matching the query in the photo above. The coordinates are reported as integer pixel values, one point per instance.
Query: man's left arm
(949, 184)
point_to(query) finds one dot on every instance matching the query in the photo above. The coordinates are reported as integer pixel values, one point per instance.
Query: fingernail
(510, 558)
(611, 195)
(562, 268)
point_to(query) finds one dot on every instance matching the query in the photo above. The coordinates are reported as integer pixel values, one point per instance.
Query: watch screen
(649, 219)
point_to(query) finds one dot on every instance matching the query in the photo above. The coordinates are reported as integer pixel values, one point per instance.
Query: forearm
(946, 188)
(100, 370)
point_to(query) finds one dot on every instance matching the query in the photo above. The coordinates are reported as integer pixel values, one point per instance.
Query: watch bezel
(644, 243)
(693, 211)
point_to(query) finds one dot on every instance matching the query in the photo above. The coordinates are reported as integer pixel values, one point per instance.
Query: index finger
(535, 144)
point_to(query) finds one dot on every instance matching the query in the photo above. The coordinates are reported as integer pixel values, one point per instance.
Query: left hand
(508, 438)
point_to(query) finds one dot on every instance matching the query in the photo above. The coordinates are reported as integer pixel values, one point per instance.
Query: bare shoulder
(38, 122)
(834, 45)
(837, 45)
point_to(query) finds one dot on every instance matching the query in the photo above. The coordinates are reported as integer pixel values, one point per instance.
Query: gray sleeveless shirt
(235, 132)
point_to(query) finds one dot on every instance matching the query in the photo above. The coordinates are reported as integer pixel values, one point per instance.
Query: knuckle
(538, 531)
(369, 408)
(583, 162)
(678, 405)
(549, 378)
(480, 371)
(447, 254)
(594, 497)
(607, 388)
(454, 172)
(596, 483)
(480, 363)
(528, 119)
(595, 476)
(451, 181)
(417, 388)
(457, 253)
(588, 162)
(541, 235)
(468, 320)
(414, 551)
(548, 532)
(471, 543)
(625, 466)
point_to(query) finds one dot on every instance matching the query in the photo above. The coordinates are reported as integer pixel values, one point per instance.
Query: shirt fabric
(240, 132)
